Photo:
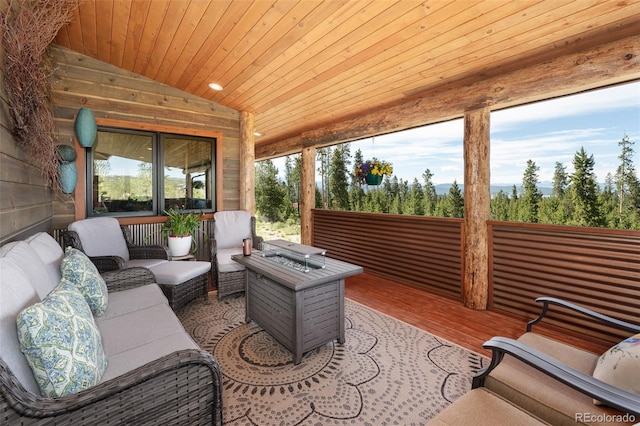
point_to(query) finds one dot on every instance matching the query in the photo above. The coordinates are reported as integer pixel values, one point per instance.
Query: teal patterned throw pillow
(61, 342)
(80, 270)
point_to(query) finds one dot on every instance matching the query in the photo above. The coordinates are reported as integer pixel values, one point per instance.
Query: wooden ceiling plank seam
(137, 19)
(316, 50)
(104, 22)
(181, 37)
(170, 24)
(367, 40)
(289, 29)
(119, 28)
(325, 36)
(89, 37)
(207, 25)
(150, 31)
(366, 101)
(240, 38)
(74, 32)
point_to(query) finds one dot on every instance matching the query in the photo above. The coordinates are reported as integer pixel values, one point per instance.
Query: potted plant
(180, 228)
(372, 171)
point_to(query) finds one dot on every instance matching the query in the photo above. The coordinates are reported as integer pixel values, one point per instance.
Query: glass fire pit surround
(297, 256)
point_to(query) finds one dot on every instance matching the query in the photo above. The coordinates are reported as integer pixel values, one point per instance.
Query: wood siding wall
(116, 94)
(595, 268)
(421, 251)
(25, 197)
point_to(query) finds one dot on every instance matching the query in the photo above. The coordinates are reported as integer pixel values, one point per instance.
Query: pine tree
(430, 196)
(338, 184)
(270, 194)
(324, 157)
(627, 186)
(584, 192)
(531, 197)
(560, 180)
(455, 201)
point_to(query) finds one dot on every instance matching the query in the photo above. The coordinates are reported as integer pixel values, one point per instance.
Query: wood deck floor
(448, 318)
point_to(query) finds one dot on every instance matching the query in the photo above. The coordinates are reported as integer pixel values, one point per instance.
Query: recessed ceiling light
(215, 86)
(257, 134)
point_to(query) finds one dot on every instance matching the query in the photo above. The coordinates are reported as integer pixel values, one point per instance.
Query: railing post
(307, 195)
(477, 210)
(247, 161)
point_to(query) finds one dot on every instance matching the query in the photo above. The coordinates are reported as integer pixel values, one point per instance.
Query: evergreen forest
(576, 198)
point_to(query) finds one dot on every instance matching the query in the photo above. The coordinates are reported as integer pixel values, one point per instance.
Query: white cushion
(224, 261)
(133, 299)
(177, 272)
(620, 365)
(231, 227)
(26, 258)
(17, 293)
(144, 263)
(101, 236)
(50, 252)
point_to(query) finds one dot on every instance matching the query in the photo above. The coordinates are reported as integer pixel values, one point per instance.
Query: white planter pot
(180, 246)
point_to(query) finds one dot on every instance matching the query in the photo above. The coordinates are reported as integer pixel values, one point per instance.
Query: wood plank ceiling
(302, 65)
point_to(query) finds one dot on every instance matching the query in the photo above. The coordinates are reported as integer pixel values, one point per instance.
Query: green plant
(181, 224)
(374, 167)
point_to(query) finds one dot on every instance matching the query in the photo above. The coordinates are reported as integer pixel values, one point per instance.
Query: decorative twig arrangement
(28, 27)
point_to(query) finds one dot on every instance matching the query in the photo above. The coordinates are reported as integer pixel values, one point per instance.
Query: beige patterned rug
(386, 373)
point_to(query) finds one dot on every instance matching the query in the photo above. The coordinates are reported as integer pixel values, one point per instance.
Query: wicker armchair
(183, 387)
(109, 245)
(230, 228)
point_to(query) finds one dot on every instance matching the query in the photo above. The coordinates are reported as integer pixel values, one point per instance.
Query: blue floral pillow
(80, 270)
(61, 342)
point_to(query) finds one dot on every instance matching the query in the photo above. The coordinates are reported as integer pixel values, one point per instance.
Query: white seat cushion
(177, 272)
(224, 261)
(26, 258)
(50, 252)
(144, 263)
(133, 299)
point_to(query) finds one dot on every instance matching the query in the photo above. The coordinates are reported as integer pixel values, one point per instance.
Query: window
(134, 173)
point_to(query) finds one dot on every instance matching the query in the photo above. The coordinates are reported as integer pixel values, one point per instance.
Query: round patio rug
(386, 373)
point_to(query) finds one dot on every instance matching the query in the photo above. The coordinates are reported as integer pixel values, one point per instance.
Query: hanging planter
(86, 127)
(373, 179)
(371, 172)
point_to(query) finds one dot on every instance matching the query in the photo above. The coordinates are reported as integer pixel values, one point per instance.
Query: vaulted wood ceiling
(302, 65)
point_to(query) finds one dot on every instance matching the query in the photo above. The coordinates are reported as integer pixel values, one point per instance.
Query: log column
(247, 163)
(307, 195)
(477, 211)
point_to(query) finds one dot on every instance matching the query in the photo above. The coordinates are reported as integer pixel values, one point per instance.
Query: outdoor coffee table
(301, 310)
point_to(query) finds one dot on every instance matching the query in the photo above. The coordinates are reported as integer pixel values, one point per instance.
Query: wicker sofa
(156, 374)
(538, 380)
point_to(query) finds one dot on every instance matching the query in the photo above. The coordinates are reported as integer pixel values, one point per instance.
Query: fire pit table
(296, 294)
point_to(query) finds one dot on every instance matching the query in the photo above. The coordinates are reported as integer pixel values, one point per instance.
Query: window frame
(157, 136)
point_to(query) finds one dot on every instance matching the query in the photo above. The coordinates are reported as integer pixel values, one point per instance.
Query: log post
(477, 211)
(307, 195)
(247, 163)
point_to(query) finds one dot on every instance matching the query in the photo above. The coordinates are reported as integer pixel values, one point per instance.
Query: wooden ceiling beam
(600, 66)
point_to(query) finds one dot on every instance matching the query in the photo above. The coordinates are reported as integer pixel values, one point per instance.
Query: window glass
(187, 171)
(122, 173)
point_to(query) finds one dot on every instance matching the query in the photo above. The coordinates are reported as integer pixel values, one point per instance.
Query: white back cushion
(50, 252)
(16, 293)
(101, 236)
(33, 268)
(231, 227)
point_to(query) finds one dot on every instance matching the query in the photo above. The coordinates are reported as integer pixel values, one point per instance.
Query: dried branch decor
(28, 27)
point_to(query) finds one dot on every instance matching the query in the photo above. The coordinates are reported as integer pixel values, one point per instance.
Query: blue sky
(544, 132)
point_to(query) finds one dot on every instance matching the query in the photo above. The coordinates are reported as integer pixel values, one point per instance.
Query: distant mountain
(544, 187)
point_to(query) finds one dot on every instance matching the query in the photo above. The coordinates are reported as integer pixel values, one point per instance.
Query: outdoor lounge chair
(109, 247)
(230, 229)
(562, 384)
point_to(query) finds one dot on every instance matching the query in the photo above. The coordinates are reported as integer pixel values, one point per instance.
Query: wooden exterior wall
(595, 268)
(120, 96)
(417, 250)
(25, 198)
